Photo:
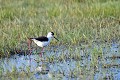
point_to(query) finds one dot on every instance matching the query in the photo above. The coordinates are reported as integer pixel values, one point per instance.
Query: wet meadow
(88, 33)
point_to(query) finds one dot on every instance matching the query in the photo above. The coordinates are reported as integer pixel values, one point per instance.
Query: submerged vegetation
(65, 62)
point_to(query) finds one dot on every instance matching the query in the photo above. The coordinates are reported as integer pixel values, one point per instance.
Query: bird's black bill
(56, 38)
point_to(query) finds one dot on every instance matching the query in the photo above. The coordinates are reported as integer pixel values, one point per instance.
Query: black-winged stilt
(43, 40)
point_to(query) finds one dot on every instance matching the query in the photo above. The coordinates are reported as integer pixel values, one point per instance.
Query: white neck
(49, 38)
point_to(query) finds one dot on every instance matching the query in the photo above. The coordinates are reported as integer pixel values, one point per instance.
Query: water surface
(96, 62)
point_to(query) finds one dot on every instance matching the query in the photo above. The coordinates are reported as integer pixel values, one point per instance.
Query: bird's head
(51, 35)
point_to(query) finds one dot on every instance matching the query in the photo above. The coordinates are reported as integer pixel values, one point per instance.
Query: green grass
(73, 21)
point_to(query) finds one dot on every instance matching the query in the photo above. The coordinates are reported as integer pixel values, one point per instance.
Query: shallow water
(58, 63)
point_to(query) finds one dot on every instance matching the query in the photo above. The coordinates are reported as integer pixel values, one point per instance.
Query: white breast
(41, 44)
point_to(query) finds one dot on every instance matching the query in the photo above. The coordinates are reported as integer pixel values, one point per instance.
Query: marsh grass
(73, 21)
(15, 75)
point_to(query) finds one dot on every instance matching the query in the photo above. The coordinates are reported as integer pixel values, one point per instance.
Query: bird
(42, 41)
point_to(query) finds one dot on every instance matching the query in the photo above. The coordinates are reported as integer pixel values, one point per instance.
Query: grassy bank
(73, 21)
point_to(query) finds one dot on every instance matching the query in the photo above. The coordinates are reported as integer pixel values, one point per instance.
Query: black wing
(42, 38)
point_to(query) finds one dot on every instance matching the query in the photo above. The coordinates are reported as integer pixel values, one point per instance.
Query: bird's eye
(52, 33)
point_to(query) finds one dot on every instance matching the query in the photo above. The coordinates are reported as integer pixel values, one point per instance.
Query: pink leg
(41, 52)
(29, 43)
(29, 48)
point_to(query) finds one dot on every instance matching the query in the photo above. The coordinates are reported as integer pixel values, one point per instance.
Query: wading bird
(42, 41)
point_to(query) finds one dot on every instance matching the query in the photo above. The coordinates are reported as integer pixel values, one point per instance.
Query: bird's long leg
(29, 44)
(29, 48)
(41, 52)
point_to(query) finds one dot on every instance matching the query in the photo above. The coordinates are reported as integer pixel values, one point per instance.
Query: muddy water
(33, 67)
